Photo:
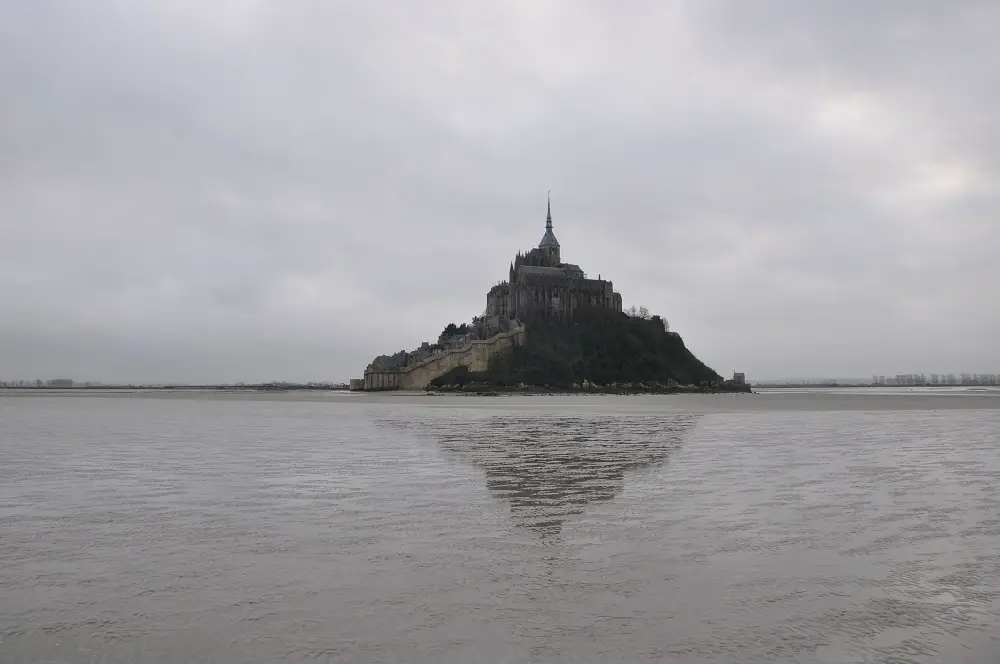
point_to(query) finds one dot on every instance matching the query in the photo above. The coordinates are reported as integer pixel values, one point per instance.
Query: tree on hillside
(637, 312)
(452, 330)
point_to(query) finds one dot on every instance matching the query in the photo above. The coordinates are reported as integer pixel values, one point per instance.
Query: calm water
(754, 528)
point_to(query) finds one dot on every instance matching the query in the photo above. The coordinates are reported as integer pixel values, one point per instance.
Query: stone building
(540, 283)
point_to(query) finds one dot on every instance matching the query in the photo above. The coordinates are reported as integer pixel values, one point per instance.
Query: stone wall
(475, 354)
(381, 380)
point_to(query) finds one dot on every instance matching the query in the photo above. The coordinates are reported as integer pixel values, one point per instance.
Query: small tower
(549, 244)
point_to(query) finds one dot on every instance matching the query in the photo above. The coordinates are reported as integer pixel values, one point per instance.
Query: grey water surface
(811, 527)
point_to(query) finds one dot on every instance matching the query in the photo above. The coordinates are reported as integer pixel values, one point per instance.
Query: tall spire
(549, 239)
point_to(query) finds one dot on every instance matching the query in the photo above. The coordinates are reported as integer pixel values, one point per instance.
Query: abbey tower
(539, 283)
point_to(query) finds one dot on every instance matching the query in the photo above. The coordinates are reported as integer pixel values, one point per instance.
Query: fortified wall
(475, 355)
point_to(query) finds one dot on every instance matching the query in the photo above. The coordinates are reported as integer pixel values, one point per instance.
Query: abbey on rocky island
(539, 283)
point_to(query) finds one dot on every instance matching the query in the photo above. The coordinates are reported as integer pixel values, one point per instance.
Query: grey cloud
(283, 190)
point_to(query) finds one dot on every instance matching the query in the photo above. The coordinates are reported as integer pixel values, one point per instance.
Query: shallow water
(752, 528)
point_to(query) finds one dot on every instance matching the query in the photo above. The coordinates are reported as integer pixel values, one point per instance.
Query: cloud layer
(269, 190)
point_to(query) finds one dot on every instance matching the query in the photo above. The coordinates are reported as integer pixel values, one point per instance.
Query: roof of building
(538, 269)
(549, 239)
(564, 270)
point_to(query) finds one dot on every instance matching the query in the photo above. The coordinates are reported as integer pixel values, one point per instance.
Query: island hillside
(597, 349)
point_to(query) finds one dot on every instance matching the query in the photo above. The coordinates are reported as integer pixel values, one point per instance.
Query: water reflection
(550, 468)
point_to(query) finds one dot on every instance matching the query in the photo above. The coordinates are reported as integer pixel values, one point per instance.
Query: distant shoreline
(261, 387)
(817, 399)
(483, 391)
(834, 386)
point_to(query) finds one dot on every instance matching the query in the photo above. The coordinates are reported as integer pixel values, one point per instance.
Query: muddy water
(593, 529)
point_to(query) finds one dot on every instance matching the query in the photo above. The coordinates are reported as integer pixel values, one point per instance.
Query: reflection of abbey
(540, 283)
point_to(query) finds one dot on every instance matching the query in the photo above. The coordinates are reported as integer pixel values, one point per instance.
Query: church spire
(549, 239)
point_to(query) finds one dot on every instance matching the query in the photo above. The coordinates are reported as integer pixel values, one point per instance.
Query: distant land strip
(242, 387)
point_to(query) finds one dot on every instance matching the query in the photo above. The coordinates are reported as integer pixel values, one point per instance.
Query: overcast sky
(252, 190)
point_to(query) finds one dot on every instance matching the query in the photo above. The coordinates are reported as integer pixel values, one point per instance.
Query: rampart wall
(475, 355)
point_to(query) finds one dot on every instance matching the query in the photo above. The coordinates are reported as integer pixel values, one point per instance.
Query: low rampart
(475, 355)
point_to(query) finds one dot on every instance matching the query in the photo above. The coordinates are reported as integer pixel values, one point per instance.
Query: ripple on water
(162, 530)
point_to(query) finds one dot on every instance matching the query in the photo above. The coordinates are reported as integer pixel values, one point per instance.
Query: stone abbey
(539, 283)
(602, 345)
